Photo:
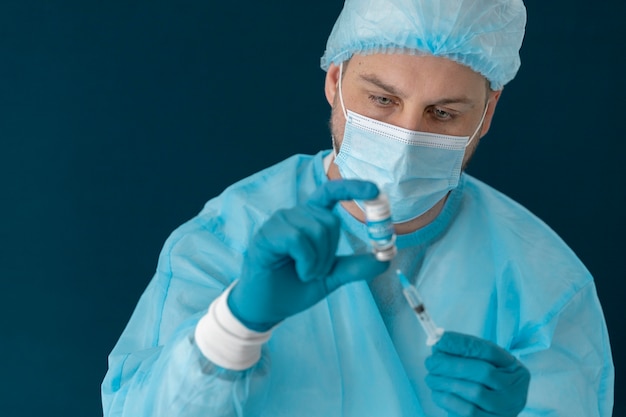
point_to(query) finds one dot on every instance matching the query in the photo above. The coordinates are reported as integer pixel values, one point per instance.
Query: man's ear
(331, 84)
(494, 96)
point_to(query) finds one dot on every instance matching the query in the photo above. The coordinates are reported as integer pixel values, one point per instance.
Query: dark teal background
(119, 119)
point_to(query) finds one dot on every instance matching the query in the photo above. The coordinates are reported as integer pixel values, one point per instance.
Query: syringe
(433, 332)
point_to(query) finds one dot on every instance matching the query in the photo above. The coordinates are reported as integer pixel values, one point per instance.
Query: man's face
(423, 93)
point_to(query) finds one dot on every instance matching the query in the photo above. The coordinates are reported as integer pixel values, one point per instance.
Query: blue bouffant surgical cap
(485, 35)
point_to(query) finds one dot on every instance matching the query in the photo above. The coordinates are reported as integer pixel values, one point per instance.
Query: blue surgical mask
(415, 169)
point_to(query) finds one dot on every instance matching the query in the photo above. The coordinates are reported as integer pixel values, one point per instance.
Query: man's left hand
(470, 376)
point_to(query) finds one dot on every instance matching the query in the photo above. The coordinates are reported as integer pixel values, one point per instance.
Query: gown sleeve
(570, 363)
(156, 368)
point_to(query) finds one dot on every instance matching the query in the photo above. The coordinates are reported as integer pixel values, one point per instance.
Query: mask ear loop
(343, 107)
(480, 125)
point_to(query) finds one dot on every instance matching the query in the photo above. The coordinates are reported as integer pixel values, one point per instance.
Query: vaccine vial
(380, 228)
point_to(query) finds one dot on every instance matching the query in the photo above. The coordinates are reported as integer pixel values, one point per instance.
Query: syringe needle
(433, 332)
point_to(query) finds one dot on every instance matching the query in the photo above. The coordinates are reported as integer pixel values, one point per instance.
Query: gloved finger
(309, 236)
(468, 346)
(331, 192)
(457, 406)
(354, 268)
(478, 370)
(500, 403)
(277, 239)
(320, 230)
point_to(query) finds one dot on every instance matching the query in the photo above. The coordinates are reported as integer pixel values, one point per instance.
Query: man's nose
(411, 119)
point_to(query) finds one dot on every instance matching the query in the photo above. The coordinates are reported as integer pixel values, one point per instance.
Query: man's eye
(442, 114)
(381, 101)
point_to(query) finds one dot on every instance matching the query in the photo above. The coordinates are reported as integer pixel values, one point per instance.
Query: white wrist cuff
(226, 342)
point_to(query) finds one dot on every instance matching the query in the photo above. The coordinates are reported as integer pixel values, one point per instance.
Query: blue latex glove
(291, 263)
(470, 376)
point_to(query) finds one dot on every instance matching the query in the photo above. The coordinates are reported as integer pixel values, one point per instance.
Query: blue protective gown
(485, 266)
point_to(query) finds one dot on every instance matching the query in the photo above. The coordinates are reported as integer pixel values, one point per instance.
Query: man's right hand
(291, 262)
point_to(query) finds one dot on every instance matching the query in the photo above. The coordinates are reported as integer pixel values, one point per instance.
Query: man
(270, 303)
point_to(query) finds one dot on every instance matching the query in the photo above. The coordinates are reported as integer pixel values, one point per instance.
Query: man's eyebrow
(373, 79)
(455, 100)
